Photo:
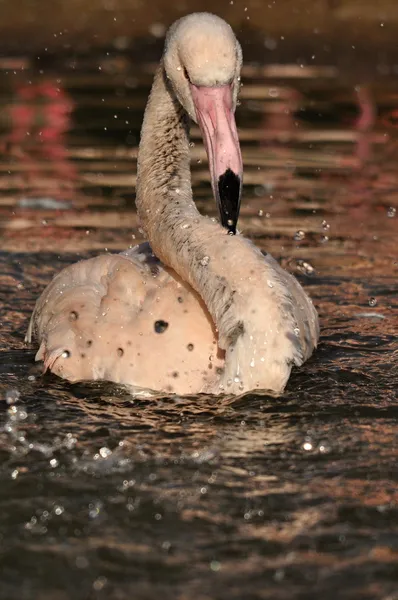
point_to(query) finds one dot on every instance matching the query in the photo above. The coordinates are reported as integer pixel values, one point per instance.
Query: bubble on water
(299, 235)
(58, 510)
(14, 473)
(105, 452)
(69, 442)
(94, 509)
(305, 267)
(54, 463)
(372, 301)
(30, 524)
(324, 239)
(324, 447)
(12, 395)
(215, 565)
(100, 583)
(307, 445)
(392, 211)
(325, 225)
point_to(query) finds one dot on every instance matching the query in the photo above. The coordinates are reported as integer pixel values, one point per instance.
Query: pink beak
(215, 115)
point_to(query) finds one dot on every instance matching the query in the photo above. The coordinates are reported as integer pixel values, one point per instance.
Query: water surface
(108, 496)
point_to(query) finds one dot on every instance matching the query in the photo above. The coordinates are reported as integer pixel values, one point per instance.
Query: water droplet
(323, 447)
(372, 301)
(205, 261)
(260, 212)
(105, 452)
(100, 583)
(305, 267)
(325, 225)
(161, 326)
(15, 474)
(65, 354)
(270, 284)
(296, 331)
(12, 396)
(299, 235)
(324, 239)
(94, 509)
(392, 211)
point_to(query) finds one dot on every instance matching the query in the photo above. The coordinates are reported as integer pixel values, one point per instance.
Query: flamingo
(199, 308)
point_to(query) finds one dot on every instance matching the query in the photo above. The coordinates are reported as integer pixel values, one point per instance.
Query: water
(107, 496)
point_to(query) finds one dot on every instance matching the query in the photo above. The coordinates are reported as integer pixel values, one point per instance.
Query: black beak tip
(229, 190)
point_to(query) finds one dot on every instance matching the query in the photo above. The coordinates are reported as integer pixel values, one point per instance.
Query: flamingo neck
(164, 194)
(221, 268)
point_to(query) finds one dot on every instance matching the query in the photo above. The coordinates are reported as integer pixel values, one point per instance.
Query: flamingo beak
(215, 116)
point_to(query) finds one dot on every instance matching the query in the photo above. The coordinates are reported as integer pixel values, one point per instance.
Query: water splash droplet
(105, 452)
(299, 235)
(205, 261)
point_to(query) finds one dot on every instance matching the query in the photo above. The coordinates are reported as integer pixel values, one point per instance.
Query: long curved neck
(218, 266)
(178, 234)
(163, 169)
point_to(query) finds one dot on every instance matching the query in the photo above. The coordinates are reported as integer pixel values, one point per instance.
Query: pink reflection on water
(40, 117)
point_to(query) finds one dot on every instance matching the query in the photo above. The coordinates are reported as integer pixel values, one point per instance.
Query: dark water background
(106, 496)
